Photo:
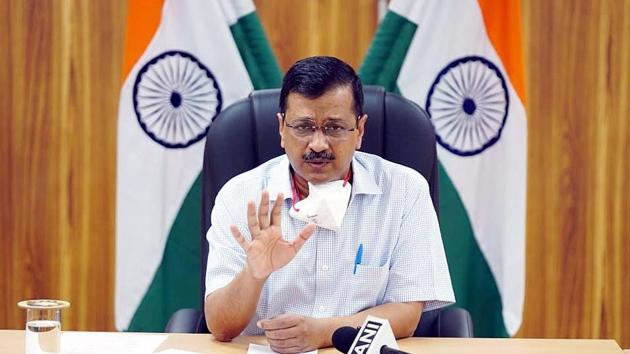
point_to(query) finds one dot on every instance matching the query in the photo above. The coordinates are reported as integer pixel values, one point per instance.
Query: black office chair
(245, 135)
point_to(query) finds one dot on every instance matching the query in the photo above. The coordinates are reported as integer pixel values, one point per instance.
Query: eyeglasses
(306, 129)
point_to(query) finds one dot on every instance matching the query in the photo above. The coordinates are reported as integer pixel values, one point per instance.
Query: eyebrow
(312, 121)
(328, 119)
(304, 120)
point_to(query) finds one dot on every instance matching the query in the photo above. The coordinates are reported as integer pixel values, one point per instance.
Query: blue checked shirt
(390, 213)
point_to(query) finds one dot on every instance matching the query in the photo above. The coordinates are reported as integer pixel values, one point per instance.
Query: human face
(335, 105)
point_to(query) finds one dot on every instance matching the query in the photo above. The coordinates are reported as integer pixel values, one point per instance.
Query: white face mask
(325, 205)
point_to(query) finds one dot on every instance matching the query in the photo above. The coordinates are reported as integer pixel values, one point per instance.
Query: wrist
(325, 329)
(247, 271)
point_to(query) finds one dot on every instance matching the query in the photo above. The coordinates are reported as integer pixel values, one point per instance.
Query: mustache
(318, 156)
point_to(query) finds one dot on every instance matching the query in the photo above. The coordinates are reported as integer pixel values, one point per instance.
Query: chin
(318, 176)
(314, 178)
(320, 180)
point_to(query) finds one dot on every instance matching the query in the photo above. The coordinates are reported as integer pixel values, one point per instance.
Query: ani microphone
(374, 337)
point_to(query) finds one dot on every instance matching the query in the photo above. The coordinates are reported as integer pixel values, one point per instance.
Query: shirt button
(324, 267)
(322, 308)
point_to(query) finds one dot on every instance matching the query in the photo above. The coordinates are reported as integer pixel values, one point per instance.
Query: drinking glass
(43, 325)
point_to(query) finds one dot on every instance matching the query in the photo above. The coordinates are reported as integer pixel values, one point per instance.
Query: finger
(279, 322)
(303, 236)
(252, 220)
(282, 334)
(284, 343)
(239, 237)
(263, 211)
(276, 212)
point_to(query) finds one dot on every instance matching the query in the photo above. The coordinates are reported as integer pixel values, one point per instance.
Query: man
(337, 234)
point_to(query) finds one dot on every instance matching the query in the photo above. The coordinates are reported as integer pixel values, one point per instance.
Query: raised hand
(268, 251)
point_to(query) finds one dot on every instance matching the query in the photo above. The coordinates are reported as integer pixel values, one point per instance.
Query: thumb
(303, 236)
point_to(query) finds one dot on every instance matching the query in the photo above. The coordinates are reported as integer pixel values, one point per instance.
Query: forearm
(229, 309)
(403, 317)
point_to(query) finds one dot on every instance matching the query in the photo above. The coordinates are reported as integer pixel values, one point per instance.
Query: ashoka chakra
(175, 98)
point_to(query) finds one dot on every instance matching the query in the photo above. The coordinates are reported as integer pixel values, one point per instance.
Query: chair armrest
(186, 321)
(445, 322)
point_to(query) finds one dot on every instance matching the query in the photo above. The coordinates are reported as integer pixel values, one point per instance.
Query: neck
(301, 184)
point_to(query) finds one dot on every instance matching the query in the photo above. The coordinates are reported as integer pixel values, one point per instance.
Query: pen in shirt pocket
(357, 258)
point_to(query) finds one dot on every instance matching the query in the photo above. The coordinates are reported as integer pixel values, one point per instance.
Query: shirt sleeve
(418, 267)
(225, 257)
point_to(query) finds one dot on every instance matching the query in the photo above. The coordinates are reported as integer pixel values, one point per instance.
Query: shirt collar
(363, 181)
(280, 180)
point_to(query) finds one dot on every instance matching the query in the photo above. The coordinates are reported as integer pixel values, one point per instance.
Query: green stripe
(257, 55)
(176, 282)
(387, 52)
(473, 282)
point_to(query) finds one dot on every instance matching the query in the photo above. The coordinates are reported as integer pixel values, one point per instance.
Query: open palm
(268, 251)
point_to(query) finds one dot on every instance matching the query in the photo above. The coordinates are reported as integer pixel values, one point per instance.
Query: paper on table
(265, 349)
(109, 343)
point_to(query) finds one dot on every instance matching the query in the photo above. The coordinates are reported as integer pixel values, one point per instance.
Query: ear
(281, 128)
(361, 130)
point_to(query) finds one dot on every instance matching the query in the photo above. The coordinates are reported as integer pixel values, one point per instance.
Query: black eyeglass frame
(321, 128)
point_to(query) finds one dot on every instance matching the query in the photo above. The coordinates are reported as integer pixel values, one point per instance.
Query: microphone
(375, 336)
(343, 337)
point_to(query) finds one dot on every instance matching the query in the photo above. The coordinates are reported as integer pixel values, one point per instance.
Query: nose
(318, 142)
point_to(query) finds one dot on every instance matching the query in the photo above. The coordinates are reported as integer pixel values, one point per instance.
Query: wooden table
(12, 341)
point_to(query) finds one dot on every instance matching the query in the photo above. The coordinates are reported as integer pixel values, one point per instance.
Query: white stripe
(491, 184)
(153, 180)
(235, 9)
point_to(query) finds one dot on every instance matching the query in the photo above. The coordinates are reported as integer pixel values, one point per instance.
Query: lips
(318, 164)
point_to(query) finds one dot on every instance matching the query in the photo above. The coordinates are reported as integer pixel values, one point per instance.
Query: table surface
(12, 341)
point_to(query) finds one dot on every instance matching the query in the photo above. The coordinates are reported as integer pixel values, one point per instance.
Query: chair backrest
(245, 135)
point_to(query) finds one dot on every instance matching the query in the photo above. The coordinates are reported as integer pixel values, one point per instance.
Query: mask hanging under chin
(325, 205)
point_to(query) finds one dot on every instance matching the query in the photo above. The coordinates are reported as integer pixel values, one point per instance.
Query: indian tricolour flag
(461, 60)
(185, 61)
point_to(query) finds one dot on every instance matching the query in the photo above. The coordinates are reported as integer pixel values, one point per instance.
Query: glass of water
(43, 325)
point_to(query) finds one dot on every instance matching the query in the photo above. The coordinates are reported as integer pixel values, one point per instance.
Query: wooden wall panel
(60, 78)
(299, 29)
(578, 75)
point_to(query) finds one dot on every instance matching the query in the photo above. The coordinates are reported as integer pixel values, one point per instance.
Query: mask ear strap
(295, 193)
(347, 178)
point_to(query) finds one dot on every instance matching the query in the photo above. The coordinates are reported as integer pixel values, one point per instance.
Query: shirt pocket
(368, 285)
